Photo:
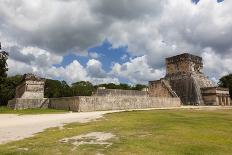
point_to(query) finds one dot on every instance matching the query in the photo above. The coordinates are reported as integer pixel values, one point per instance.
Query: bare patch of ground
(93, 138)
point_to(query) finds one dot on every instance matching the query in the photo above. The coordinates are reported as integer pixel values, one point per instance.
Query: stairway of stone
(168, 86)
(200, 81)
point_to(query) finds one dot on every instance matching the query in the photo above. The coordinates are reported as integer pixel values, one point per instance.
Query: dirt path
(15, 127)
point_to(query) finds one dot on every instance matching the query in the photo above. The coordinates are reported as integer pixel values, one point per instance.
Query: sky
(105, 41)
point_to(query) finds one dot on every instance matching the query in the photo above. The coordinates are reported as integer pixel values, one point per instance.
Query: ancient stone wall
(65, 103)
(19, 103)
(103, 103)
(119, 92)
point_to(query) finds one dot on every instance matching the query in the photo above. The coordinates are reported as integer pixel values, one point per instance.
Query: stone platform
(108, 103)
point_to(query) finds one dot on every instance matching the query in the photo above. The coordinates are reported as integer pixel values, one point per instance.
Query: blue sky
(105, 53)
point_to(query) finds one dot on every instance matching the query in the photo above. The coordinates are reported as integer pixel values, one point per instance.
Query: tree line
(55, 88)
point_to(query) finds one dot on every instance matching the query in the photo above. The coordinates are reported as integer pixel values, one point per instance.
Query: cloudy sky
(114, 40)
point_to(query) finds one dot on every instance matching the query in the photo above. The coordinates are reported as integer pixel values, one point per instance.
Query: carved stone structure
(32, 87)
(216, 96)
(29, 94)
(185, 79)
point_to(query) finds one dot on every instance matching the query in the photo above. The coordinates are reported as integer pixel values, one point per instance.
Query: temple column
(223, 101)
(225, 98)
(228, 100)
(220, 100)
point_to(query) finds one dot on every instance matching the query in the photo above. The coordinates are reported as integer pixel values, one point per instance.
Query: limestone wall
(103, 103)
(64, 103)
(19, 103)
(119, 92)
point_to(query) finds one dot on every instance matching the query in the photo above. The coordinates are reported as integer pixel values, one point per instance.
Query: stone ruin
(31, 87)
(29, 93)
(185, 79)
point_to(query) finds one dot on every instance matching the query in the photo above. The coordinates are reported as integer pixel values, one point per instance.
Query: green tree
(7, 88)
(3, 64)
(139, 87)
(66, 90)
(52, 88)
(82, 88)
(226, 82)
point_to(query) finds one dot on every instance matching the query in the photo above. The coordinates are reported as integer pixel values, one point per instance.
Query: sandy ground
(16, 127)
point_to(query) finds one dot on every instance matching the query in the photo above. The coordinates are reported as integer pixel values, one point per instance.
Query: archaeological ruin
(185, 79)
(29, 94)
(184, 83)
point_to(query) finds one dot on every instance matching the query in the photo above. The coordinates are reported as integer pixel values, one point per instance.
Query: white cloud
(216, 65)
(94, 68)
(43, 31)
(94, 55)
(137, 70)
(72, 73)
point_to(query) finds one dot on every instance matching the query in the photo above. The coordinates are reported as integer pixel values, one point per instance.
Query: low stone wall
(65, 103)
(101, 103)
(19, 103)
(119, 92)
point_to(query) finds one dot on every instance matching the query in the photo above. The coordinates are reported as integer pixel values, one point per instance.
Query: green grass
(5, 110)
(158, 132)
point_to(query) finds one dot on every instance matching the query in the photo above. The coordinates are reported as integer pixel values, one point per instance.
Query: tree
(7, 88)
(83, 88)
(226, 82)
(66, 90)
(52, 88)
(139, 87)
(3, 63)
(123, 86)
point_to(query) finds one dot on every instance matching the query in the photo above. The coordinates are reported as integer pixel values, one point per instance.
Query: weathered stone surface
(64, 103)
(103, 103)
(19, 103)
(119, 92)
(184, 63)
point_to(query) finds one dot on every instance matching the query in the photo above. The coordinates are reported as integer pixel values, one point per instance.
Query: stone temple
(29, 93)
(184, 79)
(32, 87)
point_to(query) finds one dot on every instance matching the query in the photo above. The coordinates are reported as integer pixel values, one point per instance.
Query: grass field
(5, 110)
(158, 132)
